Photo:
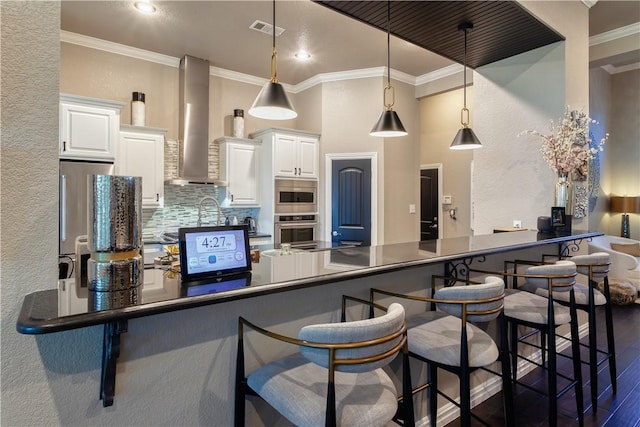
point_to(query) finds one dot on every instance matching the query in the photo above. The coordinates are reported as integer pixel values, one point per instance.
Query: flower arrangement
(568, 147)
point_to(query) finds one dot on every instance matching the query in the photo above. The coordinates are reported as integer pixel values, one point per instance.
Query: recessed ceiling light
(303, 55)
(145, 7)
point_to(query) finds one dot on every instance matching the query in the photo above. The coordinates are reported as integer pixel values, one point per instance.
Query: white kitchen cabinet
(141, 153)
(286, 154)
(240, 169)
(89, 127)
(295, 156)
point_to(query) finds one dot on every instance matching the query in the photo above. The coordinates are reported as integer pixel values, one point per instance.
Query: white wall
(510, 178)
(600, 101)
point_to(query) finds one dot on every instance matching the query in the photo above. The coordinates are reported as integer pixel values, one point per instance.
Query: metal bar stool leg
(577, 364)
(514, 349)
(552, 381)
(432, 379)
(593, 353)
(611, 348)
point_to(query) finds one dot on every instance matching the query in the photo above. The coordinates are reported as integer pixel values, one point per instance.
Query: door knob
(335, 233)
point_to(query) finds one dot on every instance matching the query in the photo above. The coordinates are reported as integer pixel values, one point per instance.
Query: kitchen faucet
(204, 199)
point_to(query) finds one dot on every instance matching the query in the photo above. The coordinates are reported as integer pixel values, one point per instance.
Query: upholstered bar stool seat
(595, 267)
(337, 377)
(581, 293)
(436, 336)
(297, 388)
(523, 306)
(446, 339)
(533, 308)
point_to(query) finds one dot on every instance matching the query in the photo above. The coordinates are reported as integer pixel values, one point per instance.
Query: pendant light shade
(272, 103)
(388, 124)
(465, 139)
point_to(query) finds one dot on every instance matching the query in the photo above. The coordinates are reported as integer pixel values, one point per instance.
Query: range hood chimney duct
(193, 130)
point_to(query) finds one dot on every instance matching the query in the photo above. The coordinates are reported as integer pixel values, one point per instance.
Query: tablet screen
(214, 251)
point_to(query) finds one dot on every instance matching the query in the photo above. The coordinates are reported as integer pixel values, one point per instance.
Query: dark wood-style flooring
(619, 410)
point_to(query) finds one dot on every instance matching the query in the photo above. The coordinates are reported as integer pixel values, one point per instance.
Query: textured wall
(600, 99)
(29, 178)
(510, 178)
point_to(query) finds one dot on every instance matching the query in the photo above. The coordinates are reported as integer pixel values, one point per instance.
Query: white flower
(567, 148)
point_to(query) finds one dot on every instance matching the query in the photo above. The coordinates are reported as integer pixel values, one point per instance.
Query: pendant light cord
(464, 113)
(274, 54)
(388, 87)
(389, 43)
(464, 62)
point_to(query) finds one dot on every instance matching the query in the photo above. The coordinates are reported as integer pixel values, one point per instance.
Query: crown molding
(353, 74)
(240, 77)
(121, 49)
(618, 33)
(439, 74)
(612, 69)
(589, 3)
(145, 55)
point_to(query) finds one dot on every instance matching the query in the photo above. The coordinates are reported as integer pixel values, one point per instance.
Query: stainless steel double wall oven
(296, 209)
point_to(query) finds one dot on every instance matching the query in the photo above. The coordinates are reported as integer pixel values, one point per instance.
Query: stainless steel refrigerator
(73, 199)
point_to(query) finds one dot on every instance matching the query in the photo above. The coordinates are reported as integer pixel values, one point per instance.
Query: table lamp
(626, 205)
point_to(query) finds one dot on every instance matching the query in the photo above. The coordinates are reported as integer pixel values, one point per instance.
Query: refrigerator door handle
(63, 207)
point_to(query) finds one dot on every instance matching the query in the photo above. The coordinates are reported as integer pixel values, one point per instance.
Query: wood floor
(619, 410)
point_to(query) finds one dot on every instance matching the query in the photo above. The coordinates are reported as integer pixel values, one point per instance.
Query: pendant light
(388, 124)
(465, 139)
(272, 102)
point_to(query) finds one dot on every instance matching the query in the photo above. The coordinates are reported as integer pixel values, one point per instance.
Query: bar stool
(349, 356)
(595, 267)
(522, 307)
(447, 339)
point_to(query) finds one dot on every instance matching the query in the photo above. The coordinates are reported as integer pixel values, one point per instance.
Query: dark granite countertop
(68, 307)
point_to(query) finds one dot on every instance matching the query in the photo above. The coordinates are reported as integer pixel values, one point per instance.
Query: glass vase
(563, 193)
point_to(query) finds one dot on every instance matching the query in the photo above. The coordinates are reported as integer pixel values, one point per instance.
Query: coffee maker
(251, 223)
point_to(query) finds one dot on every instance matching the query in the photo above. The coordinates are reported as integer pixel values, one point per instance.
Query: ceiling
(219, 31)
(501, 29)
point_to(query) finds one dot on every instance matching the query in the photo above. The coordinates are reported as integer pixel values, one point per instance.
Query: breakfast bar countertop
(68, 307)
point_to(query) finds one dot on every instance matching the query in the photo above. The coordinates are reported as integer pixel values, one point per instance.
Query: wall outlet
(517, 223)
(412, 208)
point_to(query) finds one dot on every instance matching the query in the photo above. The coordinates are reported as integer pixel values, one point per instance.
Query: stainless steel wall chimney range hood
(193, 130)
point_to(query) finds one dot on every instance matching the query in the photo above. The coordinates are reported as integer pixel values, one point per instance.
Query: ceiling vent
(266, 28)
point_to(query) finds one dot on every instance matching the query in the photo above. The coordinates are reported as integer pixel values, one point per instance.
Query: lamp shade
(388, 125)
(465, 140)
(272, 103)
(625, 204)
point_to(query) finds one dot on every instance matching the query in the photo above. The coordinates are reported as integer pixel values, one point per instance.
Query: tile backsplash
(181, 202)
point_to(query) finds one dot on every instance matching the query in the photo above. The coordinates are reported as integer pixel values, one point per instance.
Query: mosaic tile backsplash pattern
(181, 202)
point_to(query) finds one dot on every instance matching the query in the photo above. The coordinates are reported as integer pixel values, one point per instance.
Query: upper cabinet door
(307, 157)
(89, 128)
(240, 168)
(285, 157)
(141, 153)
(295, 156)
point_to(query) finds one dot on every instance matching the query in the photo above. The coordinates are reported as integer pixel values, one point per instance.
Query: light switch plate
(412, 208)
(446, 200)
